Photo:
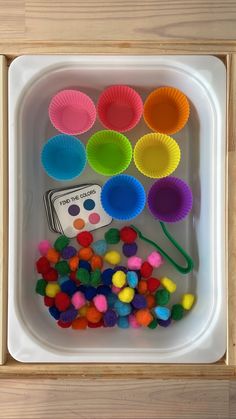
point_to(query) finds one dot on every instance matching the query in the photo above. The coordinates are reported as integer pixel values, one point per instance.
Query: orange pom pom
(96, 262)
(151, 302)
(80, 323)
(53, 256)
(142, 286)
(143, 317)
(93, 315)
(73, 263)
(85, 253)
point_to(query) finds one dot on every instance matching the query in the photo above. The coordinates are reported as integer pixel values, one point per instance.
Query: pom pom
(187, 301)
(69, 287)
(115, 290)
(53, 256)
(61, 242)
(93, 315)
(122, 309)
(168, 284)
(155, 259)
(62, 301)
(146, 270)
(139, 301)
(95, 278)
(83, 311)
(99, 247)
(51, 275)
(162, 297)
(111, 300)
(73, 263)
(119, 279)
(123, 322)
(42, 265)
(112, 257)
(128, 235)
(129, 249)
(85, 265)
(133, 322)
(107, 276)
(177, 312)
(112, 236)
(73, 278)
(162, 313)
(90, 293)
(55, 313)
(43, 247)
(151, 302)
(153, 284)
(132, 279)
(52, 289)
(83, 276)
(110, 318)
(48, 301)
(62, 267)
(41, 287)
(85, 253)
(68, 252)
(63, 325)
(63, 279)
(96, 325)
(96, 262)
(69, 315)
(104, 290)
(164, 323)
(100, 303)
(84, 238)
(80, 323)
(78, 300)
(81, 288)
(126, 295)
(153, 324)
(134, 263)
(144, 317)
(142, 286)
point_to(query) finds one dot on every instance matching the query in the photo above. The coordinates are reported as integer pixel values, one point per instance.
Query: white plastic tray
(201, 336)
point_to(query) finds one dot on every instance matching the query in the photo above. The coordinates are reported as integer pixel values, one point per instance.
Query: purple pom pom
(69, 315)
(139, 301)
(164, 323)
(129, 249)
(110, 318)
(68, 252)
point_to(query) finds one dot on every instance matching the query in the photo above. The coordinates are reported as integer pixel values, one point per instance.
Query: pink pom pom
(133, 322)
(78, 300)
(115, 290)
(100, 303)
(43, 247)
(155, 259)
(134, 263)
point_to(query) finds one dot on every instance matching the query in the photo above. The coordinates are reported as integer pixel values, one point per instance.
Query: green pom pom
(112, 236)
(153, 324)
(162, 297)
(41, 287)
(83, 276)
(61, 242)
(177, 312)
(62, 267)
(95, 277)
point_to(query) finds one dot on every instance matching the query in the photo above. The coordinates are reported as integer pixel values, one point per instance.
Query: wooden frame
(226, 368)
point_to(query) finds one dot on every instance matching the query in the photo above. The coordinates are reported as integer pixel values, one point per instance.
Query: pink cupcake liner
(72, 112)
(119, 108)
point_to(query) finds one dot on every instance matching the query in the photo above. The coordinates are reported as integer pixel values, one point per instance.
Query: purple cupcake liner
(170, 199)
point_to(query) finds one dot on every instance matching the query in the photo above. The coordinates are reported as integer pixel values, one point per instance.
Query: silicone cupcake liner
(123, 197)
(170, 199)
(156, 155)
(63, 157)
(120, 108)
(166, 110)
(72, 112)
(109, 152)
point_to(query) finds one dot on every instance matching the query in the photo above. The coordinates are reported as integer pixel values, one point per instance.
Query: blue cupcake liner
(123, 197)
(63, 157)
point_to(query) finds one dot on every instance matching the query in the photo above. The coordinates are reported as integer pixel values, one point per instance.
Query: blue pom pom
(123, 322)
(107, 276)
(84, 264)
(69, 287)
(104, 290)
(100, 247)
(122, 309)
(69, 315)
(162, 313)
(132, 279)
(54, 312)
(63, 279)
(139, 301)
(111, 299)
(81, 288)
(90, 293)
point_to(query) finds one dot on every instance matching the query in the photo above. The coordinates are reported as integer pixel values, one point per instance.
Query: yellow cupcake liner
(156, 155)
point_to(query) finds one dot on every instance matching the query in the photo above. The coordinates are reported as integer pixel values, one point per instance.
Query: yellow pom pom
(119, 279)
(83, 310)
(187, 301)
(52, 289)
(112, 257)
(168, 284)
(126, 295)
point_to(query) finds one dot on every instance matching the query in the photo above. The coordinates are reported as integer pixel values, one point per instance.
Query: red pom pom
(42, 265)
(146, 270)
(95, 325)
(73, 277)
(128, 235)
(84, 239)
(51, 275)
(62, 301)
(153, 284)
(64, 325)
(48, 301)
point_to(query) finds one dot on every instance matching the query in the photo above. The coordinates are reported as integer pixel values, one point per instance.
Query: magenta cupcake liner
(170, 199)
(119, 108)
(72, 112)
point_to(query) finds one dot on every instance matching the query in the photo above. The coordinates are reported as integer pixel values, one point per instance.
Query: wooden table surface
(116, 26)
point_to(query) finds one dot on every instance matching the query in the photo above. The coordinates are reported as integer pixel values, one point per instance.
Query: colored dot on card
(74, 210)
(79, 223)
(94, 218)
(89, 204)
